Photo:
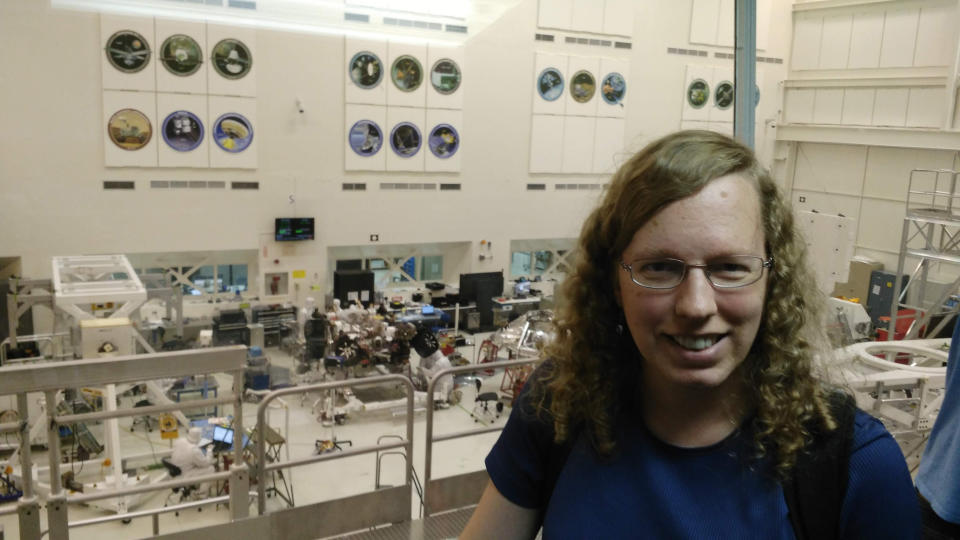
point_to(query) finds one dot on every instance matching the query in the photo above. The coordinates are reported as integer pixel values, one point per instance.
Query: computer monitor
(223, 435)
(289, 229)
(480, 288)
(351, 286)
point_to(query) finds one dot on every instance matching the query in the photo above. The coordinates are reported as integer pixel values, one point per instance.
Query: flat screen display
(289, 229)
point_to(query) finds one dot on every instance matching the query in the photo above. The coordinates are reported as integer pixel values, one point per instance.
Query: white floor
(312, 483)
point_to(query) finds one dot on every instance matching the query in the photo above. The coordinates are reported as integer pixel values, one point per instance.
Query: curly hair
(594, 370)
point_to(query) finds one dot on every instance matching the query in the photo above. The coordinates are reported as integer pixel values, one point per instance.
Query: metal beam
(120, 369)
(745, 71)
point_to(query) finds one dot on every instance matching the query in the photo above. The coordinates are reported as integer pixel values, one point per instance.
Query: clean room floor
(297, 422)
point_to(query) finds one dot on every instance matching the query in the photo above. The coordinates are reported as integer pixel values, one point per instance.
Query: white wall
(51, 148)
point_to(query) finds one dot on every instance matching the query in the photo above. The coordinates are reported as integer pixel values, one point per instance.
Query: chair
(181, 492)
(482, 402)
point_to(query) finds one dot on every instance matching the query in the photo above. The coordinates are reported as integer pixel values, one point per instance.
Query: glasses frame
(764, 263)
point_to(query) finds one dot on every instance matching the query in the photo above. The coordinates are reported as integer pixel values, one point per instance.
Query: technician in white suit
(189, 457)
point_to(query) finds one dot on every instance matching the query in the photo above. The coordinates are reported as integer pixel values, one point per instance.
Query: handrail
(428, 448)
(262, 468)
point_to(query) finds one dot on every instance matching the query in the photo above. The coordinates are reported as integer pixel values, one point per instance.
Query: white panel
(881, 225)
(375, 162)
(218, 106)
(546, 144)
(806, 42)
(888, 172)
(218, 84)
(828, 106)
(396, 96)
(450, 163)
(541, 62)
(695, 72)
(830, 240)
(703, 21)
(355, 94)
(694, 124)
(936, 36)
(114, 156)
(725, 25)
(592, 66)
(195, 83)
(608, 152)
(899, 37)
(112, 78)
(578, 144)
(436, 100)
(835, 42)
(858, 106)
(587, 16)
(799, 105)
(826, 203)
(716, 114)
(890, 107)
(925, 108)
(864, 45)
(417, 117)
(763, 23)
(832, 168)
(618, 17)
(169, 157)
(608, 66)
(724, 128)
(555, 14)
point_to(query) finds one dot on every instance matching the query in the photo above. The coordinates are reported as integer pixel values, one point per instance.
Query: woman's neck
(693, 417)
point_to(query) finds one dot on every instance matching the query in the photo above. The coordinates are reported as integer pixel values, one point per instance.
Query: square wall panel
(857, 107)
(890, 107)
(180, 45)
(720, 107)
(555, 14)
(366, 146)
(550, 78)
(586, 16)
(232, 54)
(407, 75)
(828, 106)
(130, 129)
(864, 45)
(835, 41)
(546, 143)
(614, 86)
(725, 25)
(443, 134)
(798, 105)
(232, 132)
(925, 108)
(578, 141)
(807, 30)
(703, 21)
(127, 41)
(445, 77)
(881, 225)
(830, 168)
(406, 139)
(583, 81)
(618, 17)
(936, 35)
(183, 133)
(608, 152)
(367, 71)
(697, 93)
(888, 172)
(899, 37)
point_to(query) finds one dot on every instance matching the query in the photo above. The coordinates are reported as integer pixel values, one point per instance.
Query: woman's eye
(730, 268)
(658, 267)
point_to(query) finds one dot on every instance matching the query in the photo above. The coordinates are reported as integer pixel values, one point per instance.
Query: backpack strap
(818, 485)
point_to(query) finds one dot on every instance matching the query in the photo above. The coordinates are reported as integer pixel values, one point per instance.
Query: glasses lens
(735, 271)
(658, 273)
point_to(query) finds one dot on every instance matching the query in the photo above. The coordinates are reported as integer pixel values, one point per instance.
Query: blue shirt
(939, 477)
(651, 489)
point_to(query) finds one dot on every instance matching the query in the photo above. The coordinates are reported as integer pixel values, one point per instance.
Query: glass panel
(431, 268)
(519, 264)
(542, 261)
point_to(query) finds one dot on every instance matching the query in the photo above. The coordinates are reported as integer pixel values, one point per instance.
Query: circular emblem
(445, 76)
(582, 86)
(613, 88)
(181, 55)
(405, 139)
(444, 141)
(365, 138)
(550, 84)
(723, 95)
(182, 131)
(756, 95)
(698, 93)
(366, 70)
(232, 132)
(231, 58)
(129, 129)
(128, 51)
(406, 73)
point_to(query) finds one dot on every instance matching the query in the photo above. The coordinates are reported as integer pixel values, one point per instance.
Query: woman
(678, 399)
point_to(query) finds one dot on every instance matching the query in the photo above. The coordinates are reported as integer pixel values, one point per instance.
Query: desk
(504, 307)
(204, 388)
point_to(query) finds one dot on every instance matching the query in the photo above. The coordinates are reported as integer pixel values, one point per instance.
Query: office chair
(181, 492)
(482, 402)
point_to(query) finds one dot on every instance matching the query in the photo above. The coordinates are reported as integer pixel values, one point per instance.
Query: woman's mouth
(696, 343)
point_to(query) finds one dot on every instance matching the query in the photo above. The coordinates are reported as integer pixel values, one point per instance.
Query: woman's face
(696, 335)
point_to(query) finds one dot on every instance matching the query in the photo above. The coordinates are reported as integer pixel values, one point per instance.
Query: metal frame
(90, 279)
(745, 71)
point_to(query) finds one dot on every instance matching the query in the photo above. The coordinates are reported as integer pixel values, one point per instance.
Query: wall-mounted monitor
(289, 229)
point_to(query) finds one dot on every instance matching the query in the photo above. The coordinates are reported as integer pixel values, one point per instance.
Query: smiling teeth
(695, 343)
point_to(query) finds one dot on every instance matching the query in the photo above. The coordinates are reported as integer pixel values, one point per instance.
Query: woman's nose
(696, 297)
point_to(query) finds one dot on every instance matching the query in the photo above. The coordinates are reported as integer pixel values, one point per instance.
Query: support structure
(745, 71)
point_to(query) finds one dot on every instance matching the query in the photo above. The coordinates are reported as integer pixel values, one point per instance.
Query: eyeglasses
(725, 273)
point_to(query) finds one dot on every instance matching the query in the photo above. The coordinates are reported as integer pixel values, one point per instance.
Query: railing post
(57, 501)
(239, 475)
(28, 508)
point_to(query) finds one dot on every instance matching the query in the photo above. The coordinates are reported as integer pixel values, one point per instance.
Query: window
(431, 268)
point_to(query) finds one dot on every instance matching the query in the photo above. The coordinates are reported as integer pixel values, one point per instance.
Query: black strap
(816, 490)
